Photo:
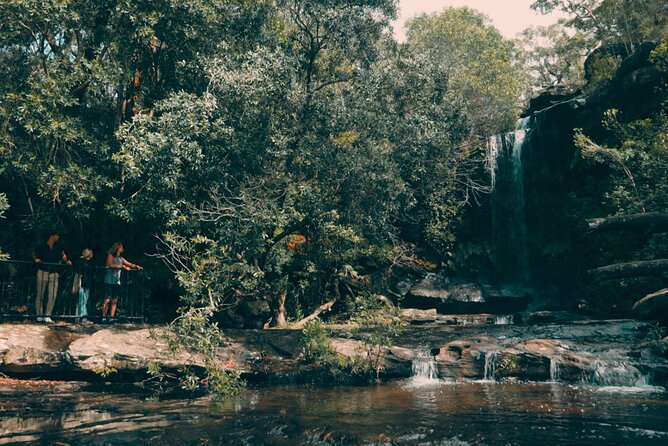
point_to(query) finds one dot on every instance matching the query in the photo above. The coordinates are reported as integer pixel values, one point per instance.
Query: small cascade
(490, 366)
(424, 367)
(506, 167)
(615, 374)
(554, 370)
(425, 373)
(504, 320)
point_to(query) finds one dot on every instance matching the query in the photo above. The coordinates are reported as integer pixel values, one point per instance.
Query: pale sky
(509, 16)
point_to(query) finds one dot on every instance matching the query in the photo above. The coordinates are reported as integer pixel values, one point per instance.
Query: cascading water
(505, 163)
(490, 366)
(504, 319)
(615, 374)
(424, 367)
(554, 370)
(425, 373)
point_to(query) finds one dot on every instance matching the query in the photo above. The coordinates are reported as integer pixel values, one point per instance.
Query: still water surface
(398, 413)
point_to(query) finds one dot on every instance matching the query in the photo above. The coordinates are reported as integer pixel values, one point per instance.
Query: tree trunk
(652, 222)
(655, 268)
(653, 305)
(281, 319)
(322, 308)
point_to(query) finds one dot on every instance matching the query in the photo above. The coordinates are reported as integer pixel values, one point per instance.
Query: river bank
(597, 352)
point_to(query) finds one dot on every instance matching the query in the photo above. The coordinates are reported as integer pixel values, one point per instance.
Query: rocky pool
(406, 412)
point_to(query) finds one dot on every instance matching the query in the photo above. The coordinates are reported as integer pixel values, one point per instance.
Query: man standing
(47, 256)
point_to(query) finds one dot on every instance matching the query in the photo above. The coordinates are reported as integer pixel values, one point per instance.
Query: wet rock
(522, 365)
(544, 347)
(419, 317)
(550, 317)
(464, 359)
(398, 362)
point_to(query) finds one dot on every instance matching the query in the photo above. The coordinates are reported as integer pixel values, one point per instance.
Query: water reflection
(387, 414)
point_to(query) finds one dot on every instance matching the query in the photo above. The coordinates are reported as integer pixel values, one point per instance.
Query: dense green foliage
(481, 65)
(606, 31)
(264, 149)
(553, 56)
(266, 144)
(629, 22)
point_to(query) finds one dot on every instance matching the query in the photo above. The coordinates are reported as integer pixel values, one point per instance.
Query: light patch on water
(646, 432)
(417, 382)
(630, 389)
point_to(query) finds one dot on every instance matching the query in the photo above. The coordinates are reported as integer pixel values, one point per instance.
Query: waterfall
(554, 370)
(615, 374)
(425, 373)
(490, 366)
(424, 367)
(506, 167)
(504, 319)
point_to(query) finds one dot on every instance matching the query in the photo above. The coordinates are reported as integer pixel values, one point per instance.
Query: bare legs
(106, 305)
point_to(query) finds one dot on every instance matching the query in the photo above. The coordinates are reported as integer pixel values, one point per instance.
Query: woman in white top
(112, 280)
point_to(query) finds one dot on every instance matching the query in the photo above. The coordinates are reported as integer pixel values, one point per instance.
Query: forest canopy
(262, 150)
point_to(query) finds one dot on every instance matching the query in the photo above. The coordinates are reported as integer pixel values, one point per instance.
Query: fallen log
(322, 308)
(650, 222)
(653, 305)
(649, 268)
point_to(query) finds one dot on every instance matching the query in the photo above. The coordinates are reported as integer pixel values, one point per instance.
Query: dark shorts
(112, 291)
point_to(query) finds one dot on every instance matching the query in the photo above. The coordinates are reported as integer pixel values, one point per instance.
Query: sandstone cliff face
(559, 186)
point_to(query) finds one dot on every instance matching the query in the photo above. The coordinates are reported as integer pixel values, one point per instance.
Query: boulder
(419, 317)
(550, 96)
(255, 313)
(438, 291)
(551, 317)
(31, 348)
(398, 362)
(133, 350)
(524, 366)
(349, 348)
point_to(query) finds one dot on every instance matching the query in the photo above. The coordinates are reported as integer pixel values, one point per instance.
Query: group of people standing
(50, 254)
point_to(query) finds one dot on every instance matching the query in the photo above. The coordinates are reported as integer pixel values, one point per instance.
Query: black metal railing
(18, 291)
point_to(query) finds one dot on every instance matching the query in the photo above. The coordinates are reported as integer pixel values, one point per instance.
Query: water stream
(490, 366)
(424, 371)
(468, 413)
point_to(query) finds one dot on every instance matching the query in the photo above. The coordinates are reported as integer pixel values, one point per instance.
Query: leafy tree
(267, 161)
(481, 65)
(612, 21)
(639, 157)
(74, 72)
(553, 56)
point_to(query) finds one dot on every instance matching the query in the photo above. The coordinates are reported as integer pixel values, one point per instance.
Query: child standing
(86, 276)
